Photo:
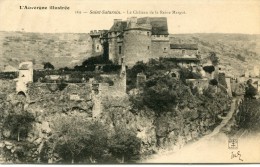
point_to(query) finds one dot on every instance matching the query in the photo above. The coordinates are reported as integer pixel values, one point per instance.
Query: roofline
(185, 48)
(138, 29)
(183, 58)
(160, 40)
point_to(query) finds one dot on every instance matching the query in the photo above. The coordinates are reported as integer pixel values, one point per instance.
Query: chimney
(117, 20)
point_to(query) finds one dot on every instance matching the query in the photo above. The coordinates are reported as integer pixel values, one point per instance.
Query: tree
(19, 124)
(209, 69)
(96, 60)
(251, 91)
(48, 66)
(124, 144)
(214, 59)
(75, 138)
(96, 143)
(69, 135)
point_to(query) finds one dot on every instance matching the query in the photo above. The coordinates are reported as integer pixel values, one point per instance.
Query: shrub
(124, 144)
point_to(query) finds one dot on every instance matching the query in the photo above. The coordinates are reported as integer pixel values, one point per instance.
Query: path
(212, 148)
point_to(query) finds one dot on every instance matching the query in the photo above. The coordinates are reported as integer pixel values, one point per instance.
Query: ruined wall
(52, 98)
(137, 46)
(200, 84)
(228, 82)
(118, 88)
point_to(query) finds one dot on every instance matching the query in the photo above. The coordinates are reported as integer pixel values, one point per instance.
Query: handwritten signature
(237, 154)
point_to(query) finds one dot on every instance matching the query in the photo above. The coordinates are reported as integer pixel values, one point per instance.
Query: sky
(201, 16)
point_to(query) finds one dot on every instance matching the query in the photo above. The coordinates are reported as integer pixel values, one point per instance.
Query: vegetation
(96, 60)
(163, 93)
(124, 144)
(48, 66)
(76, 139)
(19, 124)
(251, 91)
(214, 59)
(209, 69)
(69, 135)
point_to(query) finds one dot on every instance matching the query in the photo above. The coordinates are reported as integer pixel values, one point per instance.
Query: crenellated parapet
(97, 33)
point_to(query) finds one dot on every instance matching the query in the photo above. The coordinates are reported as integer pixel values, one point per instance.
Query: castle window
(148, 33)
(158, 35)
(148, 47)
(120, 49)
(97, 47)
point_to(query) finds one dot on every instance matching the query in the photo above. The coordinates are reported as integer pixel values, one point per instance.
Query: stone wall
(137, 46)
(113, 54)
(97, 48)
(200, 84)
(49, 98)
(160, 49)
(179, 52)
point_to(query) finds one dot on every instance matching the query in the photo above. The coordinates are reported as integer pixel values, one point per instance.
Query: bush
(76, 138)
(19, 124)
(209, 69)
(251, 91)
(96, 60)
(124, 144)
(48, 65)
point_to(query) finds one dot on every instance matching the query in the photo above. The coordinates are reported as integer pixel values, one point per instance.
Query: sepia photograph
(129, 82)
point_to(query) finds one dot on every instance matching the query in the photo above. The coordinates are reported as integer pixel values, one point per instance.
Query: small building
(25, 76)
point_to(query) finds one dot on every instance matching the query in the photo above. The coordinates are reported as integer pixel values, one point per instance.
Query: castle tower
(137, 41)
(97, 48)
(115, 39)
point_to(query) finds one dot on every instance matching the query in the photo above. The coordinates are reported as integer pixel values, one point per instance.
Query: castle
(140, 39)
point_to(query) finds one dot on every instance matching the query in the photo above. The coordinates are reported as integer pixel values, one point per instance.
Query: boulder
(9, 147)
(38, 141)
(2, 145)
(46, 127)
(7, 143)
(6, 133)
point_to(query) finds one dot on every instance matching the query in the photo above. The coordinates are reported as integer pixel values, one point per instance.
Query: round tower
(137, 42)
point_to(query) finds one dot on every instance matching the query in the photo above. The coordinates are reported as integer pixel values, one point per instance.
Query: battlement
(97, 33)
(132, 23)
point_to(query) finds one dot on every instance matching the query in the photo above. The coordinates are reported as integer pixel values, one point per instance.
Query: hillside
(236, 51)
(60, 49)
